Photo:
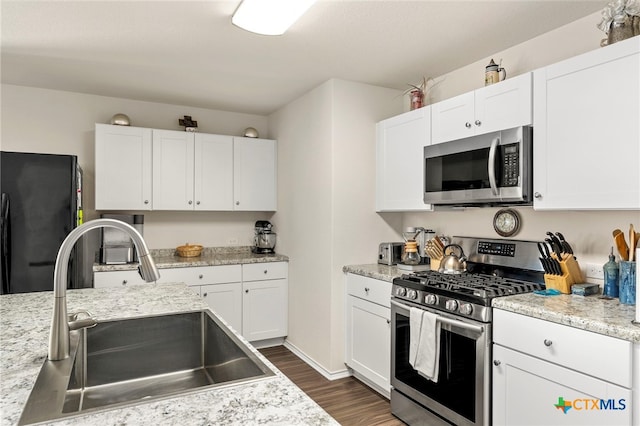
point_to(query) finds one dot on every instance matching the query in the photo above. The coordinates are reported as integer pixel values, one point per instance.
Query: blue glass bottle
(611, 275)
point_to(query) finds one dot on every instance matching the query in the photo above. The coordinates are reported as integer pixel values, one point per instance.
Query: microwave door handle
(492, 166)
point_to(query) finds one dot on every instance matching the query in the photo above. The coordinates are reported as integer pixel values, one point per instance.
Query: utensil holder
(627, 282)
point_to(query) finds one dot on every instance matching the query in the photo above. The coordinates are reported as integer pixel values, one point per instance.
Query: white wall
(589, 231)
(57, 122)
(326, 216)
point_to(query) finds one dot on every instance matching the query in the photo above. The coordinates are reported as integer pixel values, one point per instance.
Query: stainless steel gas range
(461, 306)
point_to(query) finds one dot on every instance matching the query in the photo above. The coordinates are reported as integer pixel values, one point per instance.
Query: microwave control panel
(510, 164)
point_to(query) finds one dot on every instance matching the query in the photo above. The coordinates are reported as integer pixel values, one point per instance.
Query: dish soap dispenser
(610, 270)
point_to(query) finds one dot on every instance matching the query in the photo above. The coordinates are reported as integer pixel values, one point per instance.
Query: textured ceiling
(189, 53)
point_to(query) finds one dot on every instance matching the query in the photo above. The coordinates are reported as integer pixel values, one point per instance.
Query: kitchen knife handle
(492, 166)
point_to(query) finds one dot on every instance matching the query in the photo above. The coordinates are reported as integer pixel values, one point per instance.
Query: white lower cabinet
(368, 333)
(264, 300)
(252, 298)
(550, 374)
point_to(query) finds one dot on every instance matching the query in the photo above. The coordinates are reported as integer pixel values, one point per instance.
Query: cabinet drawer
(605, 357)
(264, 271)
(116, 279)
(202, 274)
(376, 291)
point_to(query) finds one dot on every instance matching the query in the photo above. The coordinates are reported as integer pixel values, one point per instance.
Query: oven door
(462, 393)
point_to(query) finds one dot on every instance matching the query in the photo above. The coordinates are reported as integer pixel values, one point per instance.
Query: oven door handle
(450, 321)
(492, 166)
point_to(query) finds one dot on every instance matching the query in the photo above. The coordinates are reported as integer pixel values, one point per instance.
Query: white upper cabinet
(254, 174)
(152, 169)
(587, 131)
(213, 172)
(122, 168)
(496, 107)
(173, 170)
(400, 142)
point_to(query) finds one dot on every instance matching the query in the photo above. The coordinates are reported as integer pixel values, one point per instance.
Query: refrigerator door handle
(5, 245)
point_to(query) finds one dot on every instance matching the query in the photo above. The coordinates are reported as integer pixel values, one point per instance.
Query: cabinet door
(528, 391)
(453, 118)
(122, 168)
(226, 301)
(264, 309)
(173, 170)
(213, 172)
(504, 105)
(254, 174)
(369, 341)
(586, 134)
(400, 143)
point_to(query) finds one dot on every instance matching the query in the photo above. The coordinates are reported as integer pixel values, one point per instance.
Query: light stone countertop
(375, 271)
(591, 313)
(211, 256)
(25, 321)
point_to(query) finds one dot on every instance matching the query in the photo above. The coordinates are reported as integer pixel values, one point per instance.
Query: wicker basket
(189, 250)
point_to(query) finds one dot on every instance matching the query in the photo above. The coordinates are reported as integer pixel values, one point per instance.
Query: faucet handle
(73, 316)
(75, 323)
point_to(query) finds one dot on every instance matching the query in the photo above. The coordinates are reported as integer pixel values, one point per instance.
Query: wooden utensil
(621, 244)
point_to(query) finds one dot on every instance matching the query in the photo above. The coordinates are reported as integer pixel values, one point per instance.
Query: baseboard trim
(313, 364)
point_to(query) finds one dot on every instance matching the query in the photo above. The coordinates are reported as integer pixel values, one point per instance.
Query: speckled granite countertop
(591, 313)
(25, 321)
(374, 270)
(211, 256)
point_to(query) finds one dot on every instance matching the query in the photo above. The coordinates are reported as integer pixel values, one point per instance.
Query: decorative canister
(417, 99)
(494, 73)
(627, 282)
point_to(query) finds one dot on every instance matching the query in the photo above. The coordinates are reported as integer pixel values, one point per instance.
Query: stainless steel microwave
(490, 169)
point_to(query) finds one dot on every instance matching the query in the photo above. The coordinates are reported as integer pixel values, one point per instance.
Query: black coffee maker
(264, 241)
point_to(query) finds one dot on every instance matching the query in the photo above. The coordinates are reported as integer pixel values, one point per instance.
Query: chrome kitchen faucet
(60, 324)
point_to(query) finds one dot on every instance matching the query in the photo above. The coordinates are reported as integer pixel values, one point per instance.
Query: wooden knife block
(571, 275)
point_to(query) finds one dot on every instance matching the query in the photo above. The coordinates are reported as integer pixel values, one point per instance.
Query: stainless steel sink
(125, 362)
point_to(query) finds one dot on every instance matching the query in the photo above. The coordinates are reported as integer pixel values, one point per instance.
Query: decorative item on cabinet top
(120, 119)
(620, 20)
(250, 132)
(418, 93)
(189, 124)
(494, 73)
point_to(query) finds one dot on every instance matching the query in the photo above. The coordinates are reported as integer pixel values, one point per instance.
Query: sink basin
(126, 362)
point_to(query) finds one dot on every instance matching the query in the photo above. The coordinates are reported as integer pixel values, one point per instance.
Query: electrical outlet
(593, 270)
(233, 241)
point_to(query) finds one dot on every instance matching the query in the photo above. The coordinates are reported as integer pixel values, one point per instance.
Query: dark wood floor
(346, 400)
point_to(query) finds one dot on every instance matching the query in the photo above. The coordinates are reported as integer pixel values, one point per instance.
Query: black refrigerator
(41, 204)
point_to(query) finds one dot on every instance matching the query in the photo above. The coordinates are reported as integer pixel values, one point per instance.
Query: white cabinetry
(586, 131)
(254, 174)
(538, 365)
(368, 334)
(152, 169)
(265, 300)
(400, 143)
(123, 168)
(252, 298)
(496, 107)
(192, 171)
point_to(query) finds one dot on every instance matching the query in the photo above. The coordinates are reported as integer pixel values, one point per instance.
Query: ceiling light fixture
(269, 17)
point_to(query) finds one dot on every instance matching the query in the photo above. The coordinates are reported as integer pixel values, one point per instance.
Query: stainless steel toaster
(390, 253)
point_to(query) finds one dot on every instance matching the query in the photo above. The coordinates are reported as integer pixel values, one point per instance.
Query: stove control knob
(412, 294)
(401, 291)
(466, 308)
(451, 305)
(431, 299)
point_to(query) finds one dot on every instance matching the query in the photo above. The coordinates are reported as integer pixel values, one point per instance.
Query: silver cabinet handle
(190, 202)
(467, 125)
(388, 321)
(146, 201)
(547, 342)
(205, 295)
(496, 362)
(366, 290)
(200, 276)
(537, 195)
(197, 203)
(246, 291)
(124, 282)
(237, 203)
(266, 271)
(478, 123)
